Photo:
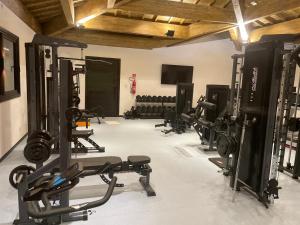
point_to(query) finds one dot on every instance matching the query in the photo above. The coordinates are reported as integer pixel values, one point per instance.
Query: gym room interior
(150, 112)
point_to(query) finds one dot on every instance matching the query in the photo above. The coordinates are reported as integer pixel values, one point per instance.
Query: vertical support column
(42, 89)
(55, 79)
(64, 127)
(50, 110)
(33, 88)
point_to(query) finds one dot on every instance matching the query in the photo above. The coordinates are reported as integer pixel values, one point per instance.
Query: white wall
(13, 113)
(211, 60)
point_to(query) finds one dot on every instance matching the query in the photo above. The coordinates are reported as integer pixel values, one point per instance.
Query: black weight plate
(16, 172)
(40, 134)
(223, 145)
(37, 151)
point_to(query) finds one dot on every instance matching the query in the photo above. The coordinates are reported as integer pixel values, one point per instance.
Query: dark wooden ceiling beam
(68, 9)
(269, 7)
(289, 27)
(115, 40)
(180, 10)
(133, 26)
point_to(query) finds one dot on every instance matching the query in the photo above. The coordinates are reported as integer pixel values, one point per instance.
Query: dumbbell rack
(153, 107)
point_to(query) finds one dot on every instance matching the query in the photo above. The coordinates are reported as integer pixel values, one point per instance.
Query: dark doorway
(102, 86)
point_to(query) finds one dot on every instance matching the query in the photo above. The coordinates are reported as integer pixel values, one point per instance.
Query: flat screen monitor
(173, 74)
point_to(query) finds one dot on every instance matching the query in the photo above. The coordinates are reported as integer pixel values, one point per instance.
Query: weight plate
(226, 145)
(73, 114)
(37, 150)
(14, 176)
(223, 145)
(40, 134)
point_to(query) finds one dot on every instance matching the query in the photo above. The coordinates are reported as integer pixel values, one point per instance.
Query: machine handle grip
(38, 213)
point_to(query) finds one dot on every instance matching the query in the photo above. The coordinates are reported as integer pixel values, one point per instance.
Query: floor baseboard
(12, 148)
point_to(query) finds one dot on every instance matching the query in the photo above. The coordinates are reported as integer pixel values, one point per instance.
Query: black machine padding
(138, 160)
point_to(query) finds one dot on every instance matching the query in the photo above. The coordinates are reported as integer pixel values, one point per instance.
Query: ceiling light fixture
(239, 17)
(254, 3)
(243, 32)
(86, 19)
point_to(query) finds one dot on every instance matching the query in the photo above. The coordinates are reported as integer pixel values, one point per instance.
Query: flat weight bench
(112, 164)
(79, 147)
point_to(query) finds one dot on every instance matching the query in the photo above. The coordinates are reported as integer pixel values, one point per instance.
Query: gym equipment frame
(262, 114)
(53, 180)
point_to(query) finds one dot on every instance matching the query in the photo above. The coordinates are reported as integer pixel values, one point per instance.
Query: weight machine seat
(96, 163)
(89, 115)
(138, 160)
(82, 133)
(187, 118)
(205, 123)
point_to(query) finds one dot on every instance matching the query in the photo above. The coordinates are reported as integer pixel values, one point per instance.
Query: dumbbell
(149, 98)
(138, 98)
(169, 99)
(174, 99)
(138, 110)
(154, 109)
(143, 109)
(144, 98)
(159, 98)
(164, 98)
(149, 109)
(154, 98)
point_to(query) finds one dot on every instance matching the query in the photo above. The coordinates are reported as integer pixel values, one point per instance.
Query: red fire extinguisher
(133, 84)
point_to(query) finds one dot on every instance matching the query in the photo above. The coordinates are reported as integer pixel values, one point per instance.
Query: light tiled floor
(190, 190)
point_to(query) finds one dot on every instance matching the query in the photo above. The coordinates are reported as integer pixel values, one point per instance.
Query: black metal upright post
(33, 89)
(64, 144)
(55, 80)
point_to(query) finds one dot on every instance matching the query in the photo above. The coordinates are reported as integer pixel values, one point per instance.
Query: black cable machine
(184, 103)
(43, 191)
(258, 125)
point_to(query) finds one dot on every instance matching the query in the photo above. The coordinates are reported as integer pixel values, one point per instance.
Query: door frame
(118, 60)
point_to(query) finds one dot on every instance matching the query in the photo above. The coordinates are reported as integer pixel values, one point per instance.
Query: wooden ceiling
(144, 23)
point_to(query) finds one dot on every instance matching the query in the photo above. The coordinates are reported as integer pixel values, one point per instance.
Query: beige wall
(13, 113)
(211, 60)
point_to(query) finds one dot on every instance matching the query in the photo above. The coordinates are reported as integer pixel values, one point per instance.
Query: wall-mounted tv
(173, 74)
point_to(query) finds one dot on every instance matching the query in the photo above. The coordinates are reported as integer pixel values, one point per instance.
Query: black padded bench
(112, 164)
(79, 147)
(82, 133)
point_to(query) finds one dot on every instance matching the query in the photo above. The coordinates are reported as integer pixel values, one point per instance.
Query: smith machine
(43, 191)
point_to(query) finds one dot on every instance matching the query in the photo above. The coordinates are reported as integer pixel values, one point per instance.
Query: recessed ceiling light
(254, 3)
